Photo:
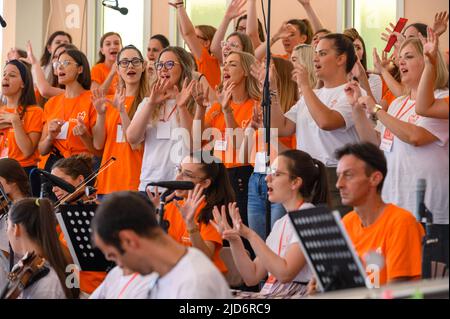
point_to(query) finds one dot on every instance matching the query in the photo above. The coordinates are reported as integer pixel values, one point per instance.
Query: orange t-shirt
(216, 119)
(124, 174)
(60, 107)
(32, 123)
(396, 235)
(89, 280)
(209, 66)
(259, 146)
(99, 74)
(178, 231)
(282, 56)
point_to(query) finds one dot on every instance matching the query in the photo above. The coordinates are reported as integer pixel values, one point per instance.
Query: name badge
(64, 132)
(268, 286)
(387, 141)
(260, 163)
(220, 145)
(163, 131)
(120, 136)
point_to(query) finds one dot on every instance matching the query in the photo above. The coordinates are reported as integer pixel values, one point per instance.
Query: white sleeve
(376, 86)
(437, 127)
(345, 109)
(99, 293)
(292, 113)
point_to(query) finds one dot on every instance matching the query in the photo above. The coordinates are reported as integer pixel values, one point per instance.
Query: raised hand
(385, 36)
(225, 96)
(381, 63)
(353, 93)
(182, 98)
(191, 205)
(431, 47)
(257, 118)
(285, 31)
(257, 70)
(300, 75)
(119, 100)
(236, 9)
(201, 95)
(159, 93)
(440, 23)
(228, 232)
(30, 59)
(80, 129)
(99, 100)
(155, 199)
(54, 128)
(367, 103)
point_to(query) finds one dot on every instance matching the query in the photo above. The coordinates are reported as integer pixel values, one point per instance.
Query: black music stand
(75, 222)
(328, 249)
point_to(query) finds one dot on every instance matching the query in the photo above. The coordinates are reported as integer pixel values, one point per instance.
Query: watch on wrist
(376, 109)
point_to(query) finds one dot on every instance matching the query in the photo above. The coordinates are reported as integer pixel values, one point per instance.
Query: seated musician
(31, 228)
(74, 170)
(14, 182)
(378, 230)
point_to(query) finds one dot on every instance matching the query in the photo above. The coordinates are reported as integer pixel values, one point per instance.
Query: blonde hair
(305, 55)
(287, 88)
(251, 83)
(441, 81)
(208, 31)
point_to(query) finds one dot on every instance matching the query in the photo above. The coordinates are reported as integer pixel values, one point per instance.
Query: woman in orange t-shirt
(20, 119)
(233, 111)
(190, 219)
(69, 117)
(104, 73)
(199, 41)
(113, 122)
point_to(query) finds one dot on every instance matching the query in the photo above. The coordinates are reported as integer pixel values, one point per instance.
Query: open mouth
(131, 73)
(5, 85)
(226, 77)
(164, 76)
(61, 74)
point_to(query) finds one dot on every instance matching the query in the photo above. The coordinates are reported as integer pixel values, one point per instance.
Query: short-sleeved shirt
(321, 144)
(408, 163)
(216, 119)
(99, 74)
(68, 109)
(49, 287)
(32, 123)
(178, 231)
(124, 174)
(209, 66)
(395, 235)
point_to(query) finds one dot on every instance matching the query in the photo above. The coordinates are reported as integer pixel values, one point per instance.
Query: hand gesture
(191, 205)
(225, 96)
(223, 227)
(440, 23)
(182, 98)
(99, 100)
(201, 95)
(353, 93)
(80, 129)
(385, 36)
(235, 9)
(367, 103)
(158, 92)
(381, 64)
(257, 70)
(257, 120)
(285, 31)
(155, 199)
(8, 118)
(431, 47)
(54, 128)
(301, 76)
(119, 100)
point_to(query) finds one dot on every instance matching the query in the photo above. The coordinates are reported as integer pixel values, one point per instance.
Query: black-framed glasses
(65, 64)
(273, 172)
(169, 65)
(179, 171)
(134, 62)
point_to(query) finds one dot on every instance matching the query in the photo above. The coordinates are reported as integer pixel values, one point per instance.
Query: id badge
(260, 163)
(388, 141)
(163, 131)
(267, 289)
(220, 145)
(64, 132)
(120, 136)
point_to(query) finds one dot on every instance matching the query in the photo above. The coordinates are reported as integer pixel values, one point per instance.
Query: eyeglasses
(184, 174)
(233, 45)
(65, 64)
(271, 171)
(169, 65)
(202, 38)
(126, 63)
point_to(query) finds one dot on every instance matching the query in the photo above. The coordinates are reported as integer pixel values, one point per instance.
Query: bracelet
(176, 5)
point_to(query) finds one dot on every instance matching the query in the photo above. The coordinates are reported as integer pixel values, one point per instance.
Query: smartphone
(398, 28)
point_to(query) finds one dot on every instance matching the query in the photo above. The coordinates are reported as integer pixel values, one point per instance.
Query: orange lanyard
(403, 106)
(127, 285)
(170, 115)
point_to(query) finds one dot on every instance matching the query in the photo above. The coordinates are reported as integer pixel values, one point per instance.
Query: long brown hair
(77, 165)
(220, 192)
(143, 83)
(46, 56)
(251, 83)
(38, 219)
(101, 56)
(12, 172)
(287, 88)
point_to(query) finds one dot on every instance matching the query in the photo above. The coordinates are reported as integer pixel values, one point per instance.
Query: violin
(30, 269)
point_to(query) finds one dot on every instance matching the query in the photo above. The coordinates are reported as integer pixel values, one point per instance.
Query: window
(370, 18)
(1, 32)
(209, 12)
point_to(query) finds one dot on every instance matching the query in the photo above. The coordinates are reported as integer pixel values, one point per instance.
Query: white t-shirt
(407, 164)
(118, 286)
(288, 238)
(194, 277)
(48, 287)
(376, 86)
(321, 144)
(161, 155)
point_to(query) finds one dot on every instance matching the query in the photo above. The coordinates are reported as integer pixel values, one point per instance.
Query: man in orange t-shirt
(387, 238)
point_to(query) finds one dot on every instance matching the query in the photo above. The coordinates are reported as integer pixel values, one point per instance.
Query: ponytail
(38, 219)
(320, 193)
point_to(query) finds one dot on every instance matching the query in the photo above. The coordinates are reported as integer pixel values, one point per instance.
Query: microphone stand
(266, 106)
(428, 242)
(163, 222)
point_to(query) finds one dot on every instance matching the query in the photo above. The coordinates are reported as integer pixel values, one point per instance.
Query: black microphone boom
(3, 22)
(55, 180)
(174, 185)
(124, 11)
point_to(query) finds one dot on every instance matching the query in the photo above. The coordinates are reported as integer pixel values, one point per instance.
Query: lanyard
(127, 285)
(282, 233)
(170, 115)
(403, 106)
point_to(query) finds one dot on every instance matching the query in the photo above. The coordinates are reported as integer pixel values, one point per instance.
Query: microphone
(3, 22)
(173, 185)
(58, 182)
(420, 212)
(124, 11)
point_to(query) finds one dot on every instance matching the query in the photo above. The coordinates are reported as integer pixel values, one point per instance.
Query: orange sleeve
(35, 121)
(209, 233)
(210, 67)
(97, 74)
(212, 113)
(404, 256)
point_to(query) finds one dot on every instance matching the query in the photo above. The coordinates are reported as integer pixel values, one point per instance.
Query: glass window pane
(209, 12)
(130, 26)
(370, 19)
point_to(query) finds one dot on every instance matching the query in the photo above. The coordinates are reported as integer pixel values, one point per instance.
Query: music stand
(328, 249)
(75, 222)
